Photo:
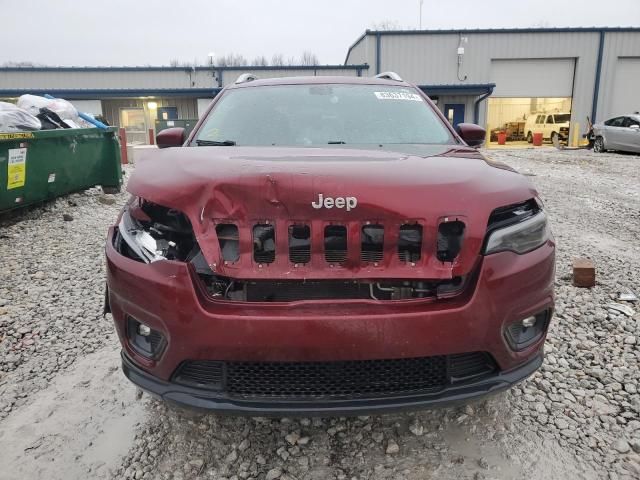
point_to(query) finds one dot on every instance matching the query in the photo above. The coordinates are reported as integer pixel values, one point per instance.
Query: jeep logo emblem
(338, 202)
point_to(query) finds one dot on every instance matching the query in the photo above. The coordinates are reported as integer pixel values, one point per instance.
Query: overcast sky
(153, 32)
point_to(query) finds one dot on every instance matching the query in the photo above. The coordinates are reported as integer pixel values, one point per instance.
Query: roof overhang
(473, 89)
(79, 94)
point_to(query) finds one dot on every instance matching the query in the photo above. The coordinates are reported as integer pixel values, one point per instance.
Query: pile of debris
(33, 112)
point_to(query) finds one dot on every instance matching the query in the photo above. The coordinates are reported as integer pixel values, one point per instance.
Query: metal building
(592, 72)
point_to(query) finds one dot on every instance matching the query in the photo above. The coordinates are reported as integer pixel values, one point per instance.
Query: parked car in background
(618, 133)
(550, 125)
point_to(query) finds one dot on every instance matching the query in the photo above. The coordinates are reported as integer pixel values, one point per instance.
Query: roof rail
(246, 77)
(390, 76)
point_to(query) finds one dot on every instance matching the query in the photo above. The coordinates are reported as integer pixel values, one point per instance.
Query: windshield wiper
(214, 143)
(336, 142)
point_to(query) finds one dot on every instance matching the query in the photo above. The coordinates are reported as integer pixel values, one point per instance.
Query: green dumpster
(36, 166)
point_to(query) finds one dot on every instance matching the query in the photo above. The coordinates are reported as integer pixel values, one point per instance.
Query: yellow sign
(16, 136)
(17, 168)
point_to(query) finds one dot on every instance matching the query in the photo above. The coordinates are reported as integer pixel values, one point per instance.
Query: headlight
(521, 237)
(155, 233)
(138, 239)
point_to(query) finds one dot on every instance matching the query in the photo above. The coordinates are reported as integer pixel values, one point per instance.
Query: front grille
(334, 380)
(336, 243)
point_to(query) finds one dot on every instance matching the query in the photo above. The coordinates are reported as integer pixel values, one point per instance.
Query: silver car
(618, 133)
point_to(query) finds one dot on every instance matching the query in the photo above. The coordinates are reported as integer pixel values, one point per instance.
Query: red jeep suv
(328, 245)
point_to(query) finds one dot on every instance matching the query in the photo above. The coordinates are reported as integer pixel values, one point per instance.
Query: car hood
(247, 185)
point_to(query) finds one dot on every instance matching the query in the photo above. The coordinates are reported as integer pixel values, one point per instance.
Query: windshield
(562, 118)
(314, 115)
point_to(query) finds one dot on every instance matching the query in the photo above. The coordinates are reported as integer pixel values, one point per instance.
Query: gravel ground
(67, 412)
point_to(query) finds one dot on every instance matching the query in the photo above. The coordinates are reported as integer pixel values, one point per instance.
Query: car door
(549, 125)
(539, 126)
(630, 135)
(614, 135)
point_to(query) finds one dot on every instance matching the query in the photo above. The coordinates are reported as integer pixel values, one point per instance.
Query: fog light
(524, 333)
(143, 339)
(145, 331)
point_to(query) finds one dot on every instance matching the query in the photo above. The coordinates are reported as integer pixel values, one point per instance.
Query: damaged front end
(148, 232)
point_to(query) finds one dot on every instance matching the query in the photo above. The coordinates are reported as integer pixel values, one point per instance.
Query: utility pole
(420, 2)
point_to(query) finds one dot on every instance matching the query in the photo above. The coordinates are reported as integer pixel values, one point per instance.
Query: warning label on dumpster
(16, 136)
(17, 168)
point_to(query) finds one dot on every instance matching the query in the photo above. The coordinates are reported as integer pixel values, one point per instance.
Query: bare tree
(231, 60)
(308, 58)
(277, 60)
(292, 61)
(260, 61)
(21, 64)
(386, 25)
(175, 62)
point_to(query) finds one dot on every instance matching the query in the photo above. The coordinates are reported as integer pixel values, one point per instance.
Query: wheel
(529, 138)
(598, 145)
(554, 137)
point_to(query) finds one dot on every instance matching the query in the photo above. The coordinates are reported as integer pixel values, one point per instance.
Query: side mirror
(170, 137)
(471, 133)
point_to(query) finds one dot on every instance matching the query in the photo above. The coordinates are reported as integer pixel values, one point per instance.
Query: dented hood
(250, 184)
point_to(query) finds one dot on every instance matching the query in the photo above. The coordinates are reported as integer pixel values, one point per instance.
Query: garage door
(626, 89)
(533, 78)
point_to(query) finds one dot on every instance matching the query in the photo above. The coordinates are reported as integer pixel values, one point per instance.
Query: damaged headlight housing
(155, 233)
(518, 229)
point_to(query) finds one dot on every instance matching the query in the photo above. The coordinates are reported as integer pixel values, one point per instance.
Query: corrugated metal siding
(363, 52)
(96, 80)
(432, 58)
(187, 107)
(617, 45)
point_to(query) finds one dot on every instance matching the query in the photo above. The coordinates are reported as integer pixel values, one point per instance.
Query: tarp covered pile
(33, 112)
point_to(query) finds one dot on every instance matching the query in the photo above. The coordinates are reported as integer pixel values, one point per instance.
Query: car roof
(319, 80)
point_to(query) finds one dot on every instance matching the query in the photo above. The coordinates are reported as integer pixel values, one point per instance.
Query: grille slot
(450, 236)
(335, 243)
(334, 380)
(229, 241)
(410, 243)
(299, 243)
(264, 243)
(372, 246)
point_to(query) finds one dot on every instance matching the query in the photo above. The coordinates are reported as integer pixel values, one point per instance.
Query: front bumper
(166, 296)
(203, 400)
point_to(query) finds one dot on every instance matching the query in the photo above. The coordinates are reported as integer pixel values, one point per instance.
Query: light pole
(420, 2)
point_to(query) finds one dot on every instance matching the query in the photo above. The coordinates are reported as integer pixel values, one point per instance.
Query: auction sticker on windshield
(398, 96)
(16, 172)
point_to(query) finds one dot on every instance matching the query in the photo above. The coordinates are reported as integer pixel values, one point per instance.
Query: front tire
(529, 138)
(554, 137)
(598, 145)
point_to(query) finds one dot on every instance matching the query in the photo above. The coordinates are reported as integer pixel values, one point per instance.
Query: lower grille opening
(264, 243)
(372, 247)
(334, 380)
(450, 236)
(335, 243)
(295, 290)
(299, 243)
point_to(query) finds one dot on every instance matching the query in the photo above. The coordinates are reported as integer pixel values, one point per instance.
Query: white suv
(551, 125)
